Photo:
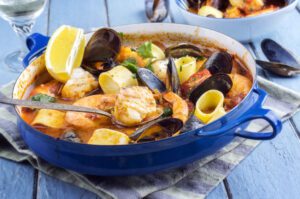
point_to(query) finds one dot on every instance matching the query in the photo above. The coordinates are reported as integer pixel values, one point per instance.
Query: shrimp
(91, 121)
(179, 106)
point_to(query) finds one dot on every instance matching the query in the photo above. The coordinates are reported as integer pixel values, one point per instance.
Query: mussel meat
(219, 62)
(101, 50)
(220, 81)
(182, 50)
(168, 125)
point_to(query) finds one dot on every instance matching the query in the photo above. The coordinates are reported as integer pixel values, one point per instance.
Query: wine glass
(21, 15)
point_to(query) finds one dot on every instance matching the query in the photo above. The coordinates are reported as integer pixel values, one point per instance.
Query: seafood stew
(233, 8)
(151, 84)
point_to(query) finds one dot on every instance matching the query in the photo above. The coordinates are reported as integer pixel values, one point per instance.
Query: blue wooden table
(271, 171)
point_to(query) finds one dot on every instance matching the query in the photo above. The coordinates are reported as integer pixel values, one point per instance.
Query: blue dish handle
(36, 43)
(256, 112)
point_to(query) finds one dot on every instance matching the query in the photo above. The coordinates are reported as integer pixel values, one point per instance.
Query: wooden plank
(88, 15)
(218, 193)
(10, 43)
(127, 12)
(271, 171)
(50, 187)
(16, 180)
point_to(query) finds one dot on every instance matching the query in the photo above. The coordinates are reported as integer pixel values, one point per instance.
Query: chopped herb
(167, 112)
(130, 64)
(145, 50)
(133, 76)
(200, 58)
(149, 66)
(43, 98)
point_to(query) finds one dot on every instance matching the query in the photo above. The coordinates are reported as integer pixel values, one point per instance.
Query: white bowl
(242, 29)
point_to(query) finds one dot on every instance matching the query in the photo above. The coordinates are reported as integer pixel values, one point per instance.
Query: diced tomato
(195, 80)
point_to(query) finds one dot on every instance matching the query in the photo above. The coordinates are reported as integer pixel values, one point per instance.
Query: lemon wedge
(108, 137)
(64, 52)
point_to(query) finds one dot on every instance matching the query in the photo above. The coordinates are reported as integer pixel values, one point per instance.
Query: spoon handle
(54, 106)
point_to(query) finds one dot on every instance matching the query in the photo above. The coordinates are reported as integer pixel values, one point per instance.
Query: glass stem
(23, 30)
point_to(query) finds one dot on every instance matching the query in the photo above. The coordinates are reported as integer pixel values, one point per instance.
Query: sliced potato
(108, 137)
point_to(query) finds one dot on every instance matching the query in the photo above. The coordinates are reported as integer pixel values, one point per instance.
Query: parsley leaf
(131, 65)
(43, 98)
(149, 66)
(145, 50)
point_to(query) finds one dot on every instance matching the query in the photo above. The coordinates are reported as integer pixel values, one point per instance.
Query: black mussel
(151, 80)
(279, 3)
(101, 50)
(219, 4)
(156, 10)
(219, 62)
(70, 136)
(219, 81)
(276, 53)
(169, 126)
(196, 4)
(182, 50)
(173, 76)
(279, 68)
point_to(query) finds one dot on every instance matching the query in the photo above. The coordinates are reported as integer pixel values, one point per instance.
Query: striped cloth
(194, 180)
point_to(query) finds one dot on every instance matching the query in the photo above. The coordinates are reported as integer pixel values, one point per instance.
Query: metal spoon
(283, 63)
(63, 107)
(279, 68)
(156, 10)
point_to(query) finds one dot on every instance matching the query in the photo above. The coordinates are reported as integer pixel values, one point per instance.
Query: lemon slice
(64, 52)
(108, 137)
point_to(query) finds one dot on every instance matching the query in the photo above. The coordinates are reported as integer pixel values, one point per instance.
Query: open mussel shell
(193, 3)
(173, 76)
(169, 126)
(182, 50)
(151, 80)
(221, 82)
(276, 53)
(219, 4)
(219, 62)
(103, 46)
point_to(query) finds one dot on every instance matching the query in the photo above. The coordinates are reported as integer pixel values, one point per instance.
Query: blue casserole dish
(149, 157)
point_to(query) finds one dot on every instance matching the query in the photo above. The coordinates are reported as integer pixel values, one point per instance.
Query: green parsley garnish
(131, 65)
(167, 112)
(121, 35)
(43, 98)
(200, 58)
(145, 50)
(149, 66)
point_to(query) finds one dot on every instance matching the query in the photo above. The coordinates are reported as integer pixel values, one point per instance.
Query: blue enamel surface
(36, 43)
(148, 157)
